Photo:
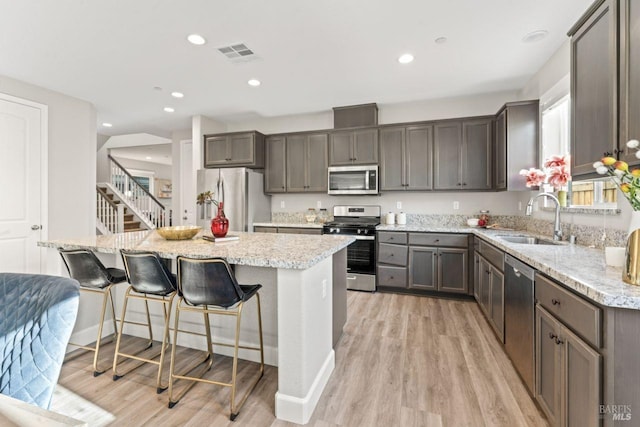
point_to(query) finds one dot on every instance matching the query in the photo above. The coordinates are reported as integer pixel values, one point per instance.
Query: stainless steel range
(359, 222)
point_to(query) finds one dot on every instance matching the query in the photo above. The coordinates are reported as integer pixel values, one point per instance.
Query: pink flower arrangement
(556, 173)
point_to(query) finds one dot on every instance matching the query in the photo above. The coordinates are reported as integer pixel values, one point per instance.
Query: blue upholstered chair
(37, 315)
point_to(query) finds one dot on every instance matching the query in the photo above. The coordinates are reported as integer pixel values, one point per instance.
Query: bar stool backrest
(84, 266)
(208, 282)
(147, 274)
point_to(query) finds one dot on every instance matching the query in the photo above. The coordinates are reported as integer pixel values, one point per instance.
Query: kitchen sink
(526, 240)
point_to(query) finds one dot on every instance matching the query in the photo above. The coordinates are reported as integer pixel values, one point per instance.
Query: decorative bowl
(179, 232)
(473, 222)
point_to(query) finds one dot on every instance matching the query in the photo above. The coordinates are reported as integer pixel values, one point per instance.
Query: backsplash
(585, 235)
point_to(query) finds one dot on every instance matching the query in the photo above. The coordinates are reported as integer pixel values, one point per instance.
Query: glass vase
(562, 198)
(220, 224)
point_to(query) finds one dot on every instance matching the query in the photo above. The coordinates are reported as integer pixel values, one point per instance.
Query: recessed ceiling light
(196, 39)
(148, 157)
(169, 109)
(254, 82)
(441, 40)
(406, 58)
(107, 125)
(534, 36)
(177, 94)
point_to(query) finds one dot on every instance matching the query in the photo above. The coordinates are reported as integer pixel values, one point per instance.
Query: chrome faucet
(557, 230)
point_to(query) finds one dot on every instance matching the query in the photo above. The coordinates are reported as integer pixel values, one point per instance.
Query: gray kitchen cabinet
(463, 154)
(476, 276)
(490, 282)
(391, 263)
(275, 170)
(439, 265)
(263, 229)
(306, 163)
(238, 149)
(594, 88)
(568, 374)
(629, 96)
(406, 158)
(516, 143)
(354, 147)
(287, 230)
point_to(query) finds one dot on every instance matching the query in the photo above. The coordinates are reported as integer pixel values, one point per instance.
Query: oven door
(353, 180)
(361, 255)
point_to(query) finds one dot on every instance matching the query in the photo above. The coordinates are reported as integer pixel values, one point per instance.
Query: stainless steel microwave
(353, 179)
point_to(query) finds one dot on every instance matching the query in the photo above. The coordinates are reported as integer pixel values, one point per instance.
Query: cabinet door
(452, 270)
(582, 373)
(392, 158)
(241, 148)
(594, 90)
(275, 168)
(296, 164)
(419, 158)
(497, 301)
(317, 163)
(476, 277)
(340, 149)
(216, 151)
(629, 83)
(500, 170)
(484, 283)
(423, 266)
(548, 365)
(476, 155)
(365, 146)
(447, 143)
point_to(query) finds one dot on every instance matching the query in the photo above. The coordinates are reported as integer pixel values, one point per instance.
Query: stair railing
(136, 195)
(110, 214)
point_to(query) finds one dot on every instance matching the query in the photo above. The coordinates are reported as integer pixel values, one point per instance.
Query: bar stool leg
(260, 332)
(166, 306)
(107, 296)
(173, 357)
(122, 321)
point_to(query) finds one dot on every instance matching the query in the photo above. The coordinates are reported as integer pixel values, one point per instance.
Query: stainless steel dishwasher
(519, 317)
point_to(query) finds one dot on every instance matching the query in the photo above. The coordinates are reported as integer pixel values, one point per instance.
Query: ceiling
(309, 55)
(158, 153)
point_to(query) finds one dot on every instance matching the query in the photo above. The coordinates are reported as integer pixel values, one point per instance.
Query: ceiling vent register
(238, 52)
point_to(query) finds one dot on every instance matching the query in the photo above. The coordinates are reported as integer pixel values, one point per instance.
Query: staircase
(129, 223)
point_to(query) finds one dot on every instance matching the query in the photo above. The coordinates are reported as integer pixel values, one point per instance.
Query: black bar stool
(209, 286)
(150, 281)
(94, 277)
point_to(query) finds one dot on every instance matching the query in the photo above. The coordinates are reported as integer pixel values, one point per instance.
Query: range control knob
(359, 231)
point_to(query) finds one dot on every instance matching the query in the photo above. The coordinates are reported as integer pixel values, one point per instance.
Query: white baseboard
(299, 409)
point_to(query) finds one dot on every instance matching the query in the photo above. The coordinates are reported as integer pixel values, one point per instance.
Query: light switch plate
(456, 205)
(282, 204)
(319, 204)
(398, 205)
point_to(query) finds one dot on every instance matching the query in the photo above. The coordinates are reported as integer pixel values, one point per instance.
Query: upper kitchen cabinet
(239, 149)
(516, 139)
(354, 147)
(275, 170)
(462, 155)
(306, 163)
(406, 159)
(629, 72)
(594, 75)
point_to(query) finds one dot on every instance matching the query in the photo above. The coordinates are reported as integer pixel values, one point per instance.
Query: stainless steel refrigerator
(241, 190)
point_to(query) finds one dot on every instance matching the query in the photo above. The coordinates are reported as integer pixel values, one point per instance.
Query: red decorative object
(220, 224)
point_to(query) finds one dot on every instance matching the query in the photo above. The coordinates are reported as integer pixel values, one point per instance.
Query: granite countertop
(293, 251)
(579, 268)
(288, 224)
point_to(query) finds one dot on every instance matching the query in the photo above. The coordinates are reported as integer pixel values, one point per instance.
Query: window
(597, 193)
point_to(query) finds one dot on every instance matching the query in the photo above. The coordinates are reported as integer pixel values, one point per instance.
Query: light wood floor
(402, 361)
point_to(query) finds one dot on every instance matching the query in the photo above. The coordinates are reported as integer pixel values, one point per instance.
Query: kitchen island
(303, 294)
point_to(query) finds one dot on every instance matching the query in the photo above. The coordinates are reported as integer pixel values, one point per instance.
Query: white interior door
(187, 212)
(20, 185)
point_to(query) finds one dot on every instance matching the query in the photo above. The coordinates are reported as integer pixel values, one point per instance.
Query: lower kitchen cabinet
(438, 269)
(489, 286)
(568, 374)
(287, 230)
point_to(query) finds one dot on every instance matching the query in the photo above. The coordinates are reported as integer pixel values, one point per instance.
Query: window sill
(584, 210)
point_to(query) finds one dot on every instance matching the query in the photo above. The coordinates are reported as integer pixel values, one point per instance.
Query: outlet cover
(282, 204)
(319, 204)
(456, 205)
(398, 205)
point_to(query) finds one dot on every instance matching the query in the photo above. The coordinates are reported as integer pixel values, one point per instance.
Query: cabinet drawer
(392, 276)
(392, 237)
(578, 314)
(434, 239)
(492, 254)
(260, 229)
(299, 230)
(392, 254)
